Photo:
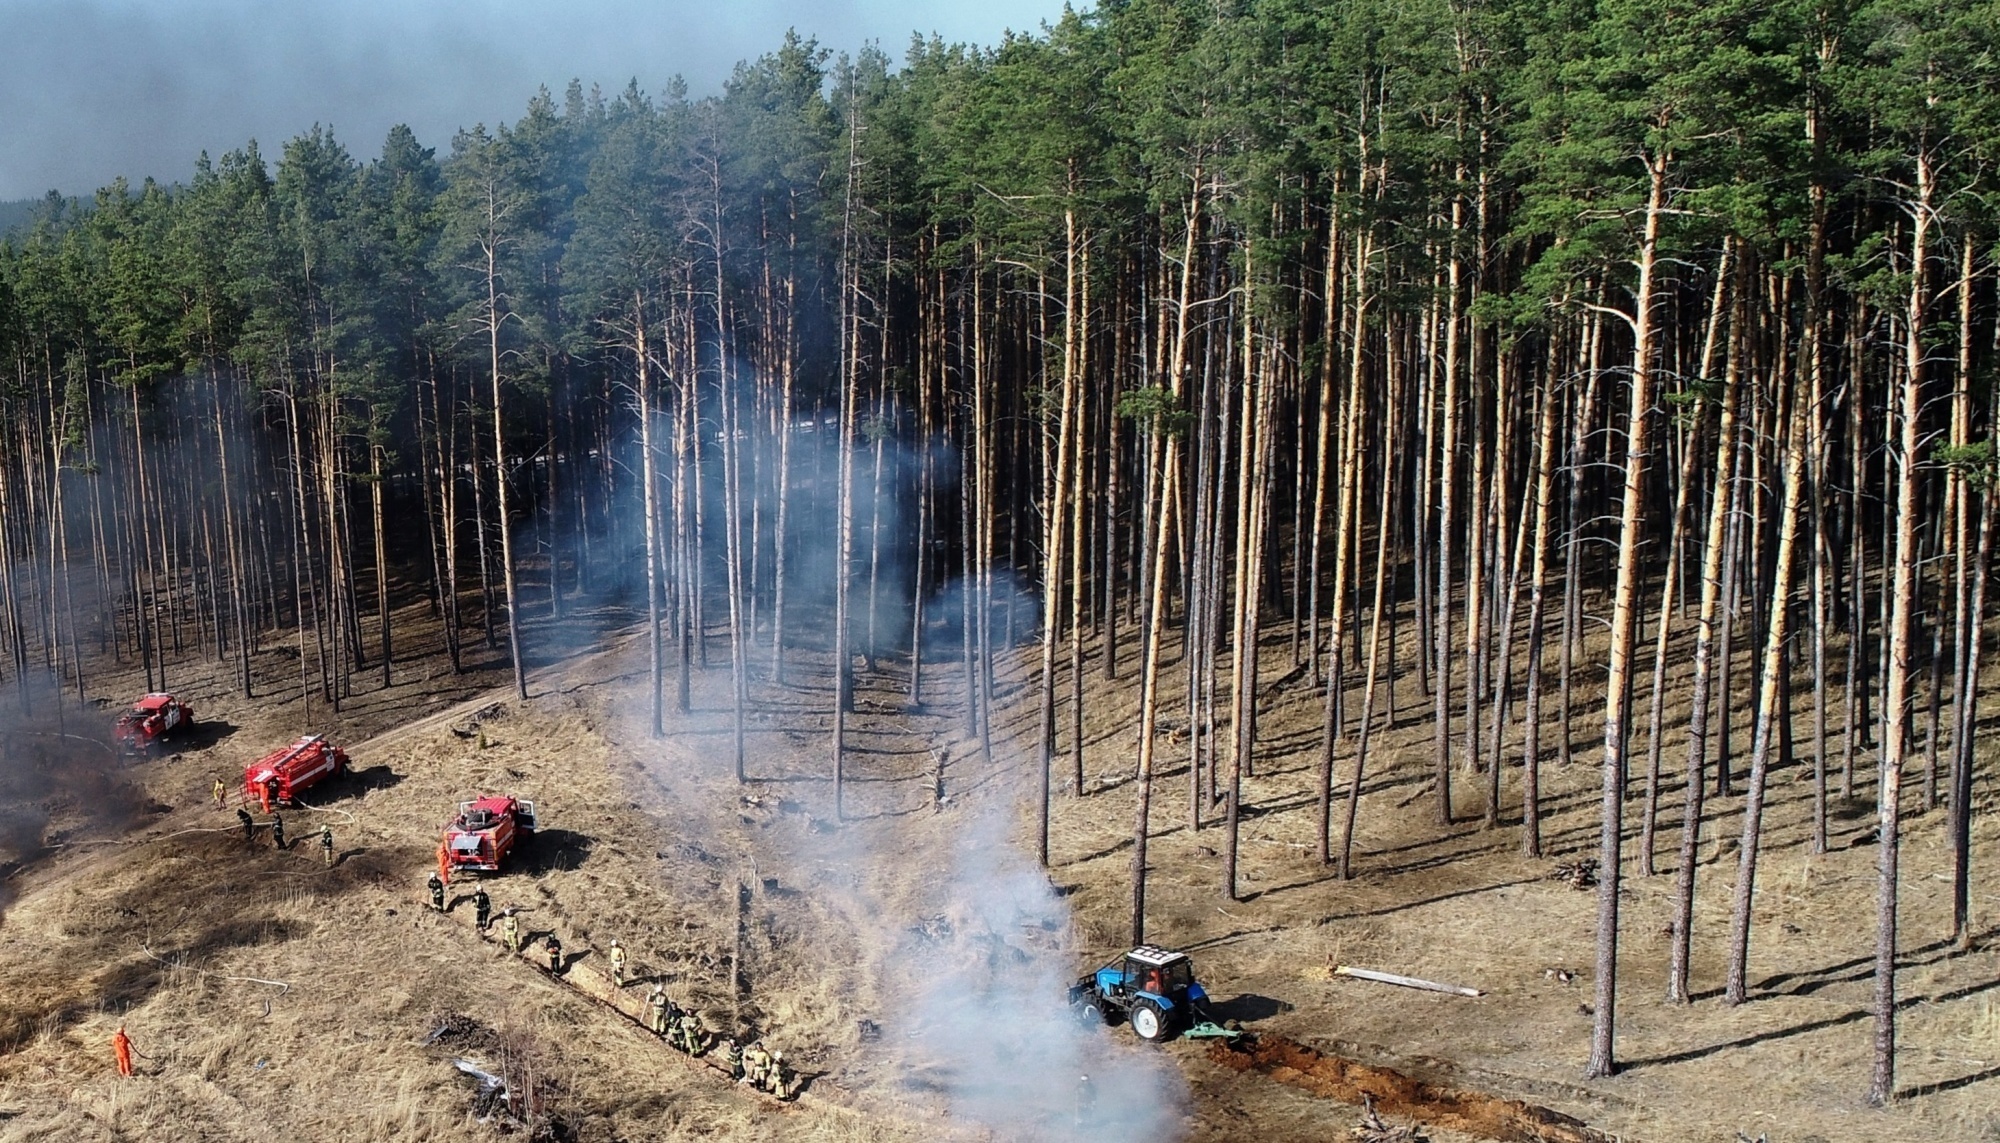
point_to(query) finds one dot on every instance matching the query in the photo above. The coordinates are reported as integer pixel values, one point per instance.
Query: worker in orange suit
(444, 864)
(264, 793)
(121, 1046)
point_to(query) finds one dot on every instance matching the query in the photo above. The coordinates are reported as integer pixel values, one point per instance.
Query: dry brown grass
(650, 841)
(1462, 905)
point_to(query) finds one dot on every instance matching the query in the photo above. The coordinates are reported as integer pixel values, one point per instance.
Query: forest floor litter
(272, 995)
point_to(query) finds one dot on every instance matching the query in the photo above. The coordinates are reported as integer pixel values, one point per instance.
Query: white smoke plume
(990, 1029)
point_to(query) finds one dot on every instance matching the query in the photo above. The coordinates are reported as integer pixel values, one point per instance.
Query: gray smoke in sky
(92, 89)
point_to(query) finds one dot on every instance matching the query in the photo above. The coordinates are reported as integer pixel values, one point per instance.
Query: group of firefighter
(219, 794)
(682, 1029)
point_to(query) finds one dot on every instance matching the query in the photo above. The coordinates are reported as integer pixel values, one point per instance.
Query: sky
(92, 89)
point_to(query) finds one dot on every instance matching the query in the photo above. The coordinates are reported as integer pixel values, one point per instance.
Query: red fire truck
(278, 777)
(152, 718)
(485, 831)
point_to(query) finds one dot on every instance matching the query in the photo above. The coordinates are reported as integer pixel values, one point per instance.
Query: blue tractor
(1150, 988)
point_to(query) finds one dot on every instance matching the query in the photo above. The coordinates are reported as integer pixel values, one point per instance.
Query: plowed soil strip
(1396, 1094)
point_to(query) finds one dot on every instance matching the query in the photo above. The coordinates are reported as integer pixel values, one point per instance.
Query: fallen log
(1405, 981)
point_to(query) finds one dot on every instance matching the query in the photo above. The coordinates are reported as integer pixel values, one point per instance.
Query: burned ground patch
(200, 895)
(1392, 1092)
(60, 785)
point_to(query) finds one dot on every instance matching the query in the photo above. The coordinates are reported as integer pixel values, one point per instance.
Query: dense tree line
(1213, 325)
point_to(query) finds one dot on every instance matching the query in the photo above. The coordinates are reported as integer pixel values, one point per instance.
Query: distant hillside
(17, 213)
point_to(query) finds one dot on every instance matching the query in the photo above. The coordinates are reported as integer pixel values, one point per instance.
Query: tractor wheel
(1149, 1023)
(1094, 1015)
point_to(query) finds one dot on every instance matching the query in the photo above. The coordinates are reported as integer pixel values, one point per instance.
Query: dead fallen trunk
(1395, 1094)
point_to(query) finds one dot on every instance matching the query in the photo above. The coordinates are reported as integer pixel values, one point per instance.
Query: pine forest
(1576, 388)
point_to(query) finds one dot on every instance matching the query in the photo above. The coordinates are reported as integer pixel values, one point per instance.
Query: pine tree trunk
(787, 376)
(1079, 515)
(1330, 278)
(1769, 713)
(1618, 683)
(732, 492)
(650, 505)
(850, 384)
(1673, 597)
(1055, 537)
(1902, 599)
(1149, 688)
(239, 587)
(1345, 528)
(1447, 486)
(1960, 824)
(1696, 785)
(1371, 671)
(1531, 730)
(500, 473)
(375, 479)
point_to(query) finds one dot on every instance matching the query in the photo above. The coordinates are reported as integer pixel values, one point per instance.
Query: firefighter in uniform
(510, 930)
(219, 792)
(482, 908)
(326, 844)
(756, 1062)
(656, 1009)
(779, 1077)
(680, 1032)
(278, 831)
(735, 1058)
(617, 963)
(436, 886)
(249, 824)
(673, 1032)
(694, 1034)
(554, 949)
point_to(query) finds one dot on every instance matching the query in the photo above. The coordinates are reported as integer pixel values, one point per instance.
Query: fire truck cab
(153, 717)
(486, 830)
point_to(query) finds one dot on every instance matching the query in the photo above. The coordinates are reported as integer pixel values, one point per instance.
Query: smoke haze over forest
(94, 89)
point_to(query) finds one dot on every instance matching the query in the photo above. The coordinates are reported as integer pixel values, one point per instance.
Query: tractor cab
(1152, 988)
(1151, 972)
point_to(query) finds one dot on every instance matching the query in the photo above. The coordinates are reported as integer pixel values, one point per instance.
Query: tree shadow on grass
(1942, 1086)
(1859, 1014)
(1805, 982)
(200, 736)
(1248, 1006)
(1689, 1055)
(361, 782)
(552, 849)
